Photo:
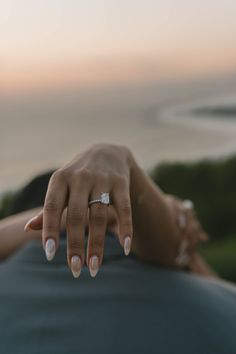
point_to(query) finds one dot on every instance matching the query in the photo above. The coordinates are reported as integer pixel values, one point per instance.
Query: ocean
(157, 121)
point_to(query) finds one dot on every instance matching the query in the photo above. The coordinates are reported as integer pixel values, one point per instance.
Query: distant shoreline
(156, 123)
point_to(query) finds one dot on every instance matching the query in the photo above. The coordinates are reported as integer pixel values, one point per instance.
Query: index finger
(54, 205)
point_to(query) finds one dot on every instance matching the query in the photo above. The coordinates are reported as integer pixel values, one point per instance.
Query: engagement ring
(104, 199)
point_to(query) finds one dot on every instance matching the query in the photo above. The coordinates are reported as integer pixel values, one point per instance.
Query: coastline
(154, 122)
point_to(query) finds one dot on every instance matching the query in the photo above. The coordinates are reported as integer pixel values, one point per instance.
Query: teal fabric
(130, 307)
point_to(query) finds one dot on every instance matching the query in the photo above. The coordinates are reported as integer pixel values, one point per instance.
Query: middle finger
(75, 225)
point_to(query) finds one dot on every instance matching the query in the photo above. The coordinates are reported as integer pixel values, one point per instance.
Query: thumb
(35, 223)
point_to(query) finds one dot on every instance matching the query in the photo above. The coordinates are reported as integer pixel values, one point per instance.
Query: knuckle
(98, 217)
(120, 180)
(127, 223)
(77, 176)
(101, 177)
(58, 175)
(75, 215)
(51, 205)
(84, 174)
(67, 173)
(125, 207)
(73, 176)
(97, 245)
(50, 228)
(75, 245)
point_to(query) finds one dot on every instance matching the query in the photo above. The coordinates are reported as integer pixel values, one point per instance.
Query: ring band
(104, 199)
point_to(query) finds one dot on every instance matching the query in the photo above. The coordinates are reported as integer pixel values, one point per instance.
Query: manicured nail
(50, 249)
(27, 226)
(127, 245)
(93, 266)
(75, 266)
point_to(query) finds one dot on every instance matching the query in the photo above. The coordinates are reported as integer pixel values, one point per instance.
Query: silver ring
(104, 199)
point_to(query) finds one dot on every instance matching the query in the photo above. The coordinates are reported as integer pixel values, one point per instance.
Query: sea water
(159, 122)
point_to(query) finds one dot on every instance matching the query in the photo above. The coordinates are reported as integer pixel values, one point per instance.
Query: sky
(60, 43)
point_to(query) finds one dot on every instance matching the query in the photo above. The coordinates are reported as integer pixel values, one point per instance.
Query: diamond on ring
(105, 198)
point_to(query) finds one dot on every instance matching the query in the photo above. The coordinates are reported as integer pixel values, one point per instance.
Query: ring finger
(98, 216)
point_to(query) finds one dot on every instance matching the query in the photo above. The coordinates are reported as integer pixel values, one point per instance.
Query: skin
(12, 235)
(140, 212)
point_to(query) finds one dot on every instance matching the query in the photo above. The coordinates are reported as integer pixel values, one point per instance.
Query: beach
(158, 122)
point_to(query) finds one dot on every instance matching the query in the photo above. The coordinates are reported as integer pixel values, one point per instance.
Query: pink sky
(62, 43)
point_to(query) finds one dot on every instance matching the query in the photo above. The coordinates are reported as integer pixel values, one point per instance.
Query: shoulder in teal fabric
(130, 307)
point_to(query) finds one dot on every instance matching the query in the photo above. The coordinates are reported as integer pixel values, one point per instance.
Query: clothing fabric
(130, 307)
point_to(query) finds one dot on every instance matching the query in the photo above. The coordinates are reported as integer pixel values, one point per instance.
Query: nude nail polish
(127, 245)
(75, 266)
(93, 266)
(50, 249)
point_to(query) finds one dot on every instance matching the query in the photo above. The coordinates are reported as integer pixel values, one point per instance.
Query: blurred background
(158, 76)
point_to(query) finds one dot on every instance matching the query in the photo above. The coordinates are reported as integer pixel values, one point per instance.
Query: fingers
(73, 191)
(98, 217)
(191, 232)
(122, 204)
(98, 223)
(112, 222)
(75, 225)
(196, 233)
(53, 207)
(35, 223)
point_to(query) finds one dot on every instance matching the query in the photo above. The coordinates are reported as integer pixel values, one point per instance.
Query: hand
(102, 168)
(190, 232)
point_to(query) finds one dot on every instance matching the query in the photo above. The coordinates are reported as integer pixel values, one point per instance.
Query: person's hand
(102, 168)
(190, 231)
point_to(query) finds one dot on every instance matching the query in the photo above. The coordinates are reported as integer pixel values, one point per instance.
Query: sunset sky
(62, 43)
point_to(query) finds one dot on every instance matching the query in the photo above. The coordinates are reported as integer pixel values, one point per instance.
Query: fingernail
(127, 245)
(27, 225)
(50, 249)
(93, 266)
(75, 266)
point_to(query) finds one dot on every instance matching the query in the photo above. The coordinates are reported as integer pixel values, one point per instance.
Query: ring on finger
(104, 199)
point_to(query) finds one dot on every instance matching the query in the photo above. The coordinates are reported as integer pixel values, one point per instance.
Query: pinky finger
(124, 212)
